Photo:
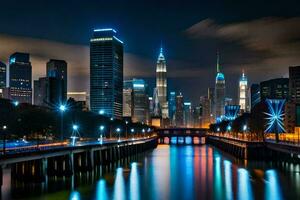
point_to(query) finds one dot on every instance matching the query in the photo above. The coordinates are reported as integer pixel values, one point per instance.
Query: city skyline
(184, 61)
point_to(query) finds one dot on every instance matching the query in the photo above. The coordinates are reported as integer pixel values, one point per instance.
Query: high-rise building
(205, 118)
(106, 73)
(274, 89)
(172, 107)
(219, 102)
(59, 69)
(161, 83)
(255, 95)
(2, 77)
(127, 99)
(48, 91)
(243, 92)
(211, 99)
(156, 104)
(20, 78)
(140, 101)
(294, 84)
(187, 116)
(179, 111)
(197, 117)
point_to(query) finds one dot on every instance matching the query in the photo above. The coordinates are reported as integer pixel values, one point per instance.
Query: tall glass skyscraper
(219, 93)
(106, 73)
(243, 93)
(2, 77)
(161, 83)
(58, 69)
(172, 107)
(20, 78)
(179, 111)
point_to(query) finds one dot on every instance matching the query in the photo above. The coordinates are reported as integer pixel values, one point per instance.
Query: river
(172, 172)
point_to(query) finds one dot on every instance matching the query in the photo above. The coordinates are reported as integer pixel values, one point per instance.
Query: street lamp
(132, 132)
(101, 133)
(126, 122)
(75, 134)
(62, 108)
(101, 112)
(119, 131)
(143, 130)
(16, 103)
(4, 138)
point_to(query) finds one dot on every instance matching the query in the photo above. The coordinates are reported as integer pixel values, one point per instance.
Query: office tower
(197, 117)
(106, 73)
(187, 116)
(59, 69)
(140, 101)
(48, 91)
(161, 83)
(2, 78)
(219, 93)
(127, 98)
(294, 84)
(179, 111)
(255, 95)
(156, 104)
(172, 107)
(243, 92)
(20, 77)
(151, 105)
(274, 89)
(205, 118)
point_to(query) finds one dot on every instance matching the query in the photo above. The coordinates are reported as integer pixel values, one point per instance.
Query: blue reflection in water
(218, 178)
(173, 140)
(244, 185)
(273, 191)
(180, 140)
(101, 191)
(189, 172)
(119, 187)
(188, 140)
(228, 179)
(75, 195)
(134, 182)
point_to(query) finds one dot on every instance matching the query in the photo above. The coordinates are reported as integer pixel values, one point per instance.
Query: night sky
(261, 37)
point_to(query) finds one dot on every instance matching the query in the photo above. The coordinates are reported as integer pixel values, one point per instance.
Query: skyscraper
(219, 93)
(2, 77)
(58, 69)
(127, 99)
(274, 89)
(243, 92)
(187, 116)
(179, 110)
(20, 77)
(106, 73)
(161, 83)
(140, 101)
(172, 107)
(294, 84)
(205, 114)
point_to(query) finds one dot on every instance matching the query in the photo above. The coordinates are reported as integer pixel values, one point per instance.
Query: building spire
(218, 62)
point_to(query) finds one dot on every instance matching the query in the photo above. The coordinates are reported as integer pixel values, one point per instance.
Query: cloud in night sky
(271, 44)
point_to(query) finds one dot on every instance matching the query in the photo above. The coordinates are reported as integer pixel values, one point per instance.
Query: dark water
(173, 172)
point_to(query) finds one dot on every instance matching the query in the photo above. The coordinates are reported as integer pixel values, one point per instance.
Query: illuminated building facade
(58, 69)
(20, 78)
(106, 73)
(140, 101)
(172, 107)
(205, 114)
(127, 98)
(243, 93)
(219, 102)
(274, 89)
(254, 95)
(161, 83)
(187, 116)
(2, 77)
(231, 112)
(179, 119)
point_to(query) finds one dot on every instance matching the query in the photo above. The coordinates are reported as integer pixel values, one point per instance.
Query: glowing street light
(75, 134)
(101, 134)
(16, 103)
(111, 119)
(62, 108)
(228, 128)
(119, 131)
(218, 129)
(245, 128)
(75, 127)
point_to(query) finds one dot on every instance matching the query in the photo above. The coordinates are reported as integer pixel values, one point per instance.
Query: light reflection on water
(182, 172)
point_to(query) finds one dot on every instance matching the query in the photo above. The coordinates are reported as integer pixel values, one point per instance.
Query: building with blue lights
(219, 101)
(161, 83)
(179, 118)
(140, 101)
(172, 107)
(127, 99)
(187, 116)
(20, 78)
(58, 69)
(2, 77)
(106, 73)
(231, 112)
